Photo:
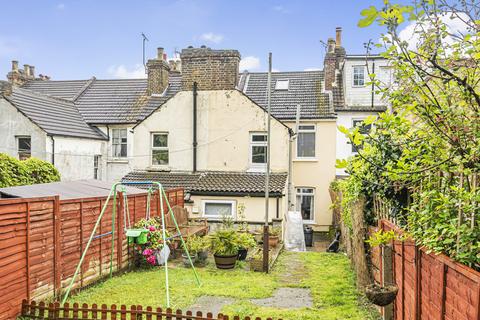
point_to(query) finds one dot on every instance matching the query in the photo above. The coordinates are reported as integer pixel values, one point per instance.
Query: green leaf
(341, 163)
(369, 14)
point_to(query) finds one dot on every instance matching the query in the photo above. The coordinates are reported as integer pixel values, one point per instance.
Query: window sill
(159, 168)
(117, 160)
(257, 169)
(305, 160)
(309, 222)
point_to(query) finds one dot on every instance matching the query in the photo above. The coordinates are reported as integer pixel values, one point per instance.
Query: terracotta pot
(225, 262)
(273, 241)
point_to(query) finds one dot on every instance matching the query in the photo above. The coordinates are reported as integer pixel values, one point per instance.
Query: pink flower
(147, 252)
(151, 228)
(151, 260)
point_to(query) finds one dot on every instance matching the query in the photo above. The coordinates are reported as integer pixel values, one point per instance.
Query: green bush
(14, 172)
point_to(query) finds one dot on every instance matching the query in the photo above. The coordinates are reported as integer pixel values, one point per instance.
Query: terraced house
(196, 123)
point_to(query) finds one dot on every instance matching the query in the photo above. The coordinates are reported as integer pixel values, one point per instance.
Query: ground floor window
(24, 147)
(219, 208)
(305, 203)
(96, 167)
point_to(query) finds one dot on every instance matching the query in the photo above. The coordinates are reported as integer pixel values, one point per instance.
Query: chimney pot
(26, 70)
(15, 65)
(160, 53)
(338, 40)
(32, 71)
(331, 45)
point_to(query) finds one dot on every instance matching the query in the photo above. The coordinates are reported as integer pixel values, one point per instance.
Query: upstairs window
(258, 149)
(159, 149)
(358, 76)
(24, 147)
(363, 129)
(119, 143)
(306, 141)
(96, 167)
(282, 84)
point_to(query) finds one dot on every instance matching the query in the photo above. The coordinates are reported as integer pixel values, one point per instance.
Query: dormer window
(282, 84)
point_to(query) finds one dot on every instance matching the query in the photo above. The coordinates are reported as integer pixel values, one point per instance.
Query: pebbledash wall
(42, 240)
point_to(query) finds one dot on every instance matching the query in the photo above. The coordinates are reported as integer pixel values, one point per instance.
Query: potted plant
(245, 241)
(256, 261)
(224, 245)
(274, 237)
(198, 245)
(378, 294)
(149, 250)
(190, 244)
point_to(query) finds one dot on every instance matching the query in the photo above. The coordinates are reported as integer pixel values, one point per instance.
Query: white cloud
(249, 63)
(454, 26)
(123, 72)
(212, 37)
(61, 6)
(312, 69)
(280, 9)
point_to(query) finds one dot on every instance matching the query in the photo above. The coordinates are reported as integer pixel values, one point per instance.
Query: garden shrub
(14, 172)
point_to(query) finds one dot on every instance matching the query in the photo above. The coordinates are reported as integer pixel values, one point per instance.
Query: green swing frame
(162, 196)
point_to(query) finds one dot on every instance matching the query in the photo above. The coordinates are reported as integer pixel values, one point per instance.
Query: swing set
(138, 236)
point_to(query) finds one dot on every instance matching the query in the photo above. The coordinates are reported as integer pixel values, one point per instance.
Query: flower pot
(242, 254)
(202, 256)
(258, 236)
(273, 241)
(256, 265)
(186, 261)
(381, 296)
(225, 262)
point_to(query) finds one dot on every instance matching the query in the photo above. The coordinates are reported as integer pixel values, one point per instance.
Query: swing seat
(138, 236)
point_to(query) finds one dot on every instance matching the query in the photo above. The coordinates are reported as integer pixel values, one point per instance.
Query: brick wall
(211, 69)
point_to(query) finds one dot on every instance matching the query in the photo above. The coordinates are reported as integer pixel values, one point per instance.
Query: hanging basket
(138, 236)
(381, 296)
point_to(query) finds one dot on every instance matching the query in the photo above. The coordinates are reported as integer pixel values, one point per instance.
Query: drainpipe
(194, 127)
(293, 136)
(53, 150)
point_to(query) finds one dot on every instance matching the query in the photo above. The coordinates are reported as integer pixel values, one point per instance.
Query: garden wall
(430, 286)
(42, 239)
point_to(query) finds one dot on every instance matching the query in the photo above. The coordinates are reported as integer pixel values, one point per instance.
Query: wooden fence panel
(431, 287)
(41, 241)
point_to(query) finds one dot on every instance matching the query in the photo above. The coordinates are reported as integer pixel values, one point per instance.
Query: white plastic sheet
(294, 238)
(162, 255)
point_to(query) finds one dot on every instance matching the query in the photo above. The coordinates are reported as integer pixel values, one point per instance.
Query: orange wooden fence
(55, 311)
(430, 286)
(42, 239)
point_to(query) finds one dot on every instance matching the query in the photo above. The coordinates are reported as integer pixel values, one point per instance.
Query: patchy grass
(327, 275)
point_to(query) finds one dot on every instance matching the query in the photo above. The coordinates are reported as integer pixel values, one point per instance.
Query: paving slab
(211, 304)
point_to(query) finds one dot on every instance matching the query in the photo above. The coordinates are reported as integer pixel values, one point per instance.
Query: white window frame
(253, 165)
(301, 193)
(282, 84)
(152, 134)
(353, 126)
(312, 130)
(233, 203)
(20, 152)
(354, 68)
(97, 167)
(120, 144)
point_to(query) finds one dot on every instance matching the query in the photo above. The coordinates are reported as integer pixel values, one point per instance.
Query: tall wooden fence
(42, 239)
(430, 286)
(55, 311)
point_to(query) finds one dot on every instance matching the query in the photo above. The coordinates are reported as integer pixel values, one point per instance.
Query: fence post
(27, 256)
(444, 289)
(56, 246)
(418, 282)
(81, 240)
(387, 277)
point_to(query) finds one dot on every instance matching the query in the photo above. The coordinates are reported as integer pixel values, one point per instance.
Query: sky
(84, 38)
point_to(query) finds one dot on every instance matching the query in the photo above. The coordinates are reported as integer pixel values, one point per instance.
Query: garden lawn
(328, 276)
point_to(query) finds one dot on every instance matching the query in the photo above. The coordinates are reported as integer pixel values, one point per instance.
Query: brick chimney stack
(157, 70)
(333, 59)
(18, 76)
(211, 69)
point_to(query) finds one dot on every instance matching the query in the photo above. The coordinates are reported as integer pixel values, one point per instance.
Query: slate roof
(60, 89)
(108, 101)
(214, 182)
(305, 88)
(55, 116)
